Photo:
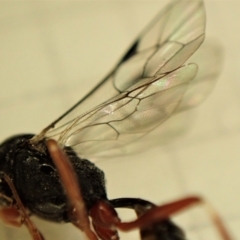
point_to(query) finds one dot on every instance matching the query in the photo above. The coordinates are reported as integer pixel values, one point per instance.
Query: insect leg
(104, 218)
(70, 184)
(157, 214)
(106, 221)
(9, 214)
(164, 229)
(16, 215)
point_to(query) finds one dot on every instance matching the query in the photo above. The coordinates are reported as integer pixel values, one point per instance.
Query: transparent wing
(144, 89)
(209, 58)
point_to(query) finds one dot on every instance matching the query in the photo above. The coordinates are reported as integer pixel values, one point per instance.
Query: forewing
(164, 45)
(140, 87)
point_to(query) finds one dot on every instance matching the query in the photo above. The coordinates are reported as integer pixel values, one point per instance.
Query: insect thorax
(37, 181)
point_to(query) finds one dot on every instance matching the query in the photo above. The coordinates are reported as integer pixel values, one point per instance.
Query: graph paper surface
(52, 53)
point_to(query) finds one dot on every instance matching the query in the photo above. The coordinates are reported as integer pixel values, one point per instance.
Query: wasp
(49, 174)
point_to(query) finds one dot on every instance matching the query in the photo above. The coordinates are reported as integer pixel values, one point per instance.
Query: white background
(52, 53)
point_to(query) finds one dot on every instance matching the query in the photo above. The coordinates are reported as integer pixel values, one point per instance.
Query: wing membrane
(142, 91)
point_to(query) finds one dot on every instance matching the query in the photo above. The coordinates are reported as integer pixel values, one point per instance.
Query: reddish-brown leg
(10, 215)
(69, 181)
(164, 229)
(161, 213)
(16, 215)
(104, 218)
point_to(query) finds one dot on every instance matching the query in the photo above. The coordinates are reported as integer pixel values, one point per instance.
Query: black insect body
(47, 175)
(33, 174)
(36, 179)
